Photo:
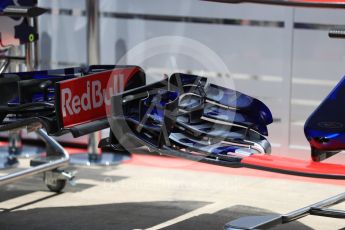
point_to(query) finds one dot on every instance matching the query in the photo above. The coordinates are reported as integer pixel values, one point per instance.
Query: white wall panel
(66, 4)
(67, 36)
(322, 16)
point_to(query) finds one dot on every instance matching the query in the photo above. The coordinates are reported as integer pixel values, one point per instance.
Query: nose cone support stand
(94, 155)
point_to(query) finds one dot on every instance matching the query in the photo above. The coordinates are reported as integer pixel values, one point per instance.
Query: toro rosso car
(186, 117)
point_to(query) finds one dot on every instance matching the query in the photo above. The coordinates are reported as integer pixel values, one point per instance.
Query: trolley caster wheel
(57, 187)
(56, 180)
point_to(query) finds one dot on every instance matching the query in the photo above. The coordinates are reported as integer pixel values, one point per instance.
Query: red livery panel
(84, 99)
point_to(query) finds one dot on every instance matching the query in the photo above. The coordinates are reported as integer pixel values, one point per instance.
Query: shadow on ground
(113, 216)
(218, 219)
(34, 184)
(126, 216)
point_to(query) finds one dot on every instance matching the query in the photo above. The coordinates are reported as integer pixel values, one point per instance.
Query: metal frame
(93, 56)
(22, 11)
(4, 65)
(15, 145)
(31, 59)
(269, 221)
(57, 157)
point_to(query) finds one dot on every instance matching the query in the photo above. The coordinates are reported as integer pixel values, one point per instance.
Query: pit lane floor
(153, 192)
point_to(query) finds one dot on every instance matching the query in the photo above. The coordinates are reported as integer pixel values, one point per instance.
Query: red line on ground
(182, 164)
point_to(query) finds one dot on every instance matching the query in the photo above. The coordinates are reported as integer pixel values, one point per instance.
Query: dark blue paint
(325, 128)
(246, 104)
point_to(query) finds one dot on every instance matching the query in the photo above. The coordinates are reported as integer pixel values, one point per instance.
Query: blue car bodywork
(325, 128)
(184, 114)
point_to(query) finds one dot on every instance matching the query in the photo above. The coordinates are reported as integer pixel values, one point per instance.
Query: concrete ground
(152, 192)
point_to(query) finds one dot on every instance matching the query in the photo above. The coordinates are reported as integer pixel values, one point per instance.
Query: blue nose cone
(325, 128)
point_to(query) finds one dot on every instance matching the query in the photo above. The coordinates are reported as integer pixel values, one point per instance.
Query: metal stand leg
(4, 65)
(7, 160)
(16, 147)
(94, 155)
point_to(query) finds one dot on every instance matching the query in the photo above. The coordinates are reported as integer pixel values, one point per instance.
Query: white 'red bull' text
(93, 97)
